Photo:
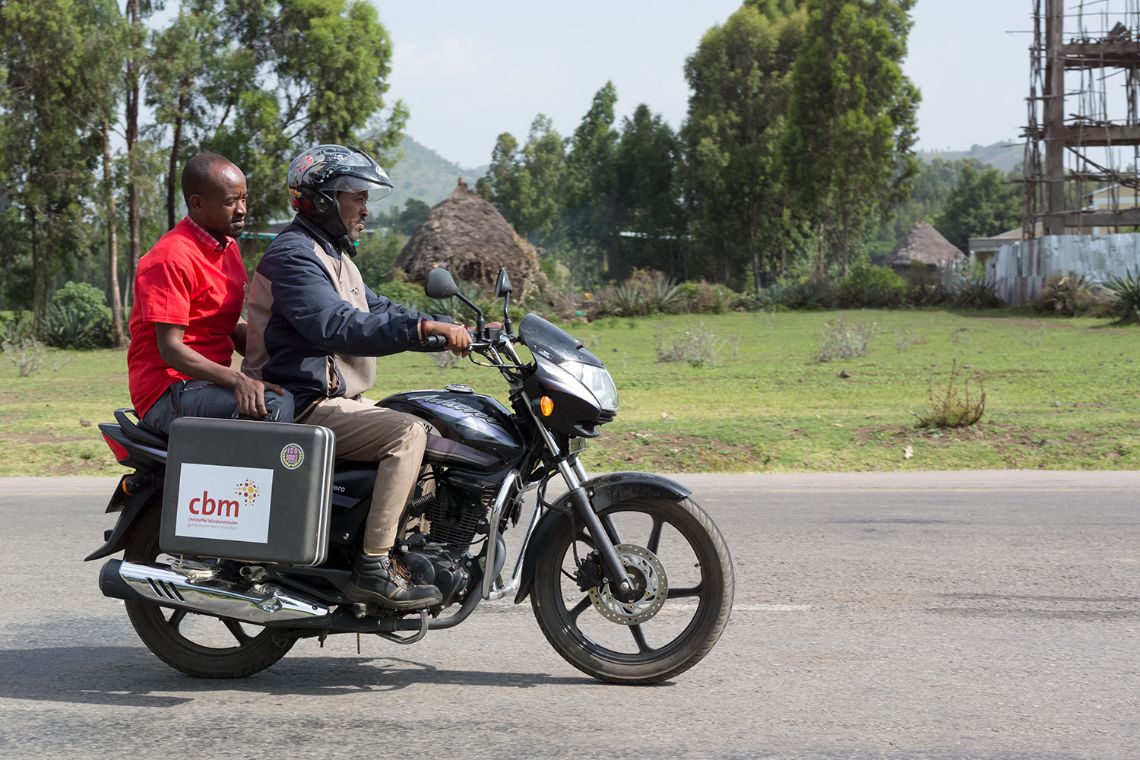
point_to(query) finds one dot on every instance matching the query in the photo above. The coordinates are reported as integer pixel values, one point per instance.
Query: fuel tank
(468, 421)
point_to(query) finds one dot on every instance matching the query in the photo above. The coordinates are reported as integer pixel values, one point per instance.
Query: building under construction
(1082, 147)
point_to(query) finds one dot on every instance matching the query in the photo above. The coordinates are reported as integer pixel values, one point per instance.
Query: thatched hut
(925, 245)
(468, 236)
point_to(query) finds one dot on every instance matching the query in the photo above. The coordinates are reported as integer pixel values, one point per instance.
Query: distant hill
(1003, 156)
(424, 174)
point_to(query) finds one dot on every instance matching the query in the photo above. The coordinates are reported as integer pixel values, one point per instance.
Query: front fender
(603, 491)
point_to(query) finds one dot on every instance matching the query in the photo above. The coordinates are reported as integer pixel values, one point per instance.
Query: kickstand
(406, 639)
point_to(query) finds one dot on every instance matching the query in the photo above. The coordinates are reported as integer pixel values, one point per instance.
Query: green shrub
(704, 298)
(976, 292)
(1125, 293)
(1069, 295)
(816, 293)
(78, 317)
(645, 292)
(15, 326)
(401, 291)
(924, 286)
(870, 287)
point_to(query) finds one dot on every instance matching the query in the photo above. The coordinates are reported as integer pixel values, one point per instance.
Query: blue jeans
(198, 398)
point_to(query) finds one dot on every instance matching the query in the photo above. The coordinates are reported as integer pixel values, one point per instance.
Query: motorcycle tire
(591, 639)
(161, 628)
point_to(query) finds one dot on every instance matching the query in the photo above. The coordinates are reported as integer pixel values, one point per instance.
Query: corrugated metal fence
(1019, 270)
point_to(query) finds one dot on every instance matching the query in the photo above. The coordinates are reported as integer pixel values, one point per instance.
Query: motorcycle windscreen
(248, 490)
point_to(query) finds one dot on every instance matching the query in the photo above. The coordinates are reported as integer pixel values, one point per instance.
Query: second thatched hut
(925, 246)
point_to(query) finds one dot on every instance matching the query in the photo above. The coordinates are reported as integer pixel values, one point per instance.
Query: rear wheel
(198, 645)
(683, 576)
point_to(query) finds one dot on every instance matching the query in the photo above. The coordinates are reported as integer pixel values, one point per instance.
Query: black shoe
(379, 579)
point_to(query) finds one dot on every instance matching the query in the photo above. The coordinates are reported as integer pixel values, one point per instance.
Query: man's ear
(195, 203)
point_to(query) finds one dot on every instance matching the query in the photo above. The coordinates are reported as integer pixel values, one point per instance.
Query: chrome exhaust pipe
(262, 604)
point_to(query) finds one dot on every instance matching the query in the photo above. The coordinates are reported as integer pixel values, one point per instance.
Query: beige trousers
(395, 440)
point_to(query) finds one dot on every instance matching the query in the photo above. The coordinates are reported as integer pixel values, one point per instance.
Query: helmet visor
(376, 182)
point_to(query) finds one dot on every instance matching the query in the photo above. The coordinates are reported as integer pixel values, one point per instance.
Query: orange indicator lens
(546, 406)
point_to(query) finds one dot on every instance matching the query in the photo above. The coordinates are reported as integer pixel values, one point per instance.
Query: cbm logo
(208, 506)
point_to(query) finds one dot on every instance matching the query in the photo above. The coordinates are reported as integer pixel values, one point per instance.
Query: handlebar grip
(434, 343)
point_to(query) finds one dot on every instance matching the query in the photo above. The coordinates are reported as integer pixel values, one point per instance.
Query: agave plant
(1125, 292)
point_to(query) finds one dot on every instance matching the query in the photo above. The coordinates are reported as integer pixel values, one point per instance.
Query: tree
(543, 166)
(739, 76)
(185, 54)
(525, 184)
(590, 184)
(313, 71)
(848, 149)
(414, 214)
(983, 203)
(258, 81)
(503, 182)
(647, 201)
(52, 113)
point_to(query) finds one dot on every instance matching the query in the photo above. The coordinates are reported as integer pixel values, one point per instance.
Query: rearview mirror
(440, 284)
(503, 284)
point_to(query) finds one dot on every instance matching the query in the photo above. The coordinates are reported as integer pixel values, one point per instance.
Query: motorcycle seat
(138, 431)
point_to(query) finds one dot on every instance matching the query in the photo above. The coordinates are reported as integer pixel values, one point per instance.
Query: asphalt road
(961, 615)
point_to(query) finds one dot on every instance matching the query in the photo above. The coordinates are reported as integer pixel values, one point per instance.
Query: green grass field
(1060, 394)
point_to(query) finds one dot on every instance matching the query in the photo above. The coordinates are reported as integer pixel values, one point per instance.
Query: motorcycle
(629, 579)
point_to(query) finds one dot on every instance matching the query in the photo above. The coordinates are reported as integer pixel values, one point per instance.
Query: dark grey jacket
(312, 320)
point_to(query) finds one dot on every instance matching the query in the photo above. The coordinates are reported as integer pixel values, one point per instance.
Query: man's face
(220, 207)
(353, 211)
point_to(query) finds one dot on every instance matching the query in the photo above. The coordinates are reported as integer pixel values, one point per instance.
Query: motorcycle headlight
(598, 381)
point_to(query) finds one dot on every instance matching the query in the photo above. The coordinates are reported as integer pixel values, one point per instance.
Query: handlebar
(489, 337)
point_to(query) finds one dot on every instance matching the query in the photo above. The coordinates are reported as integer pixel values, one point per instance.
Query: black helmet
(322, 171)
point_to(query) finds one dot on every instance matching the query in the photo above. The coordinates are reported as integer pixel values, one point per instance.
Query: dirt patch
(34, 439)
(676, 452)
(996, 435)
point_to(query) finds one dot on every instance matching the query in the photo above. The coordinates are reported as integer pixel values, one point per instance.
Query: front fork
(604, 540)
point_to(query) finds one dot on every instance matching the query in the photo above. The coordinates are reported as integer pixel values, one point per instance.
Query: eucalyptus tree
(740, 81)
(590, 186)
(848, 148)
(647, 200)
(51, 117)
(503, 184)
(544, 165)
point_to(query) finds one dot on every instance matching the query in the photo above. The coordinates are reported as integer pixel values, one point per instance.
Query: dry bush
(697, 347)
(844, 341)
(955, 406)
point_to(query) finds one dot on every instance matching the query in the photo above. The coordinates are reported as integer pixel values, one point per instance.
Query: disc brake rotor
(649, 581)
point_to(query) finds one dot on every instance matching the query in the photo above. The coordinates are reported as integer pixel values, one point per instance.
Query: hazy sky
(471, 70)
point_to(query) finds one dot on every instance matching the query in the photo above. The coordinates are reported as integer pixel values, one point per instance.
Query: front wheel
(683, 576)
(198, 645)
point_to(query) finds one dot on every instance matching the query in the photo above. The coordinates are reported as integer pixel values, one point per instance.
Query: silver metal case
(248, 490)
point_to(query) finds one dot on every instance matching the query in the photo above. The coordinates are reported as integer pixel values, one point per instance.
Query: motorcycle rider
(186, 319)
(315, 328)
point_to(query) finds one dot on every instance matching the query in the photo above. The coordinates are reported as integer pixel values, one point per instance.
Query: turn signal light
(546, 406)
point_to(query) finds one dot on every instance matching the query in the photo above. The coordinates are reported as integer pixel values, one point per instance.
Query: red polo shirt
(189, 279)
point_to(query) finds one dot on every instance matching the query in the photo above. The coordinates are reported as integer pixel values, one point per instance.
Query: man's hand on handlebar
(457, 337)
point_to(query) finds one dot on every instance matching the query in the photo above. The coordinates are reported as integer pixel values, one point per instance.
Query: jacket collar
(320, 235)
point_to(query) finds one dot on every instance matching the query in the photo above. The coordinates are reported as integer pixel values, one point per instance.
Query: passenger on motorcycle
(186, 319)
(315, 328)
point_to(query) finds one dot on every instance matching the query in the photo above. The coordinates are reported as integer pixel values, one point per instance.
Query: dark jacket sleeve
(305, 296)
